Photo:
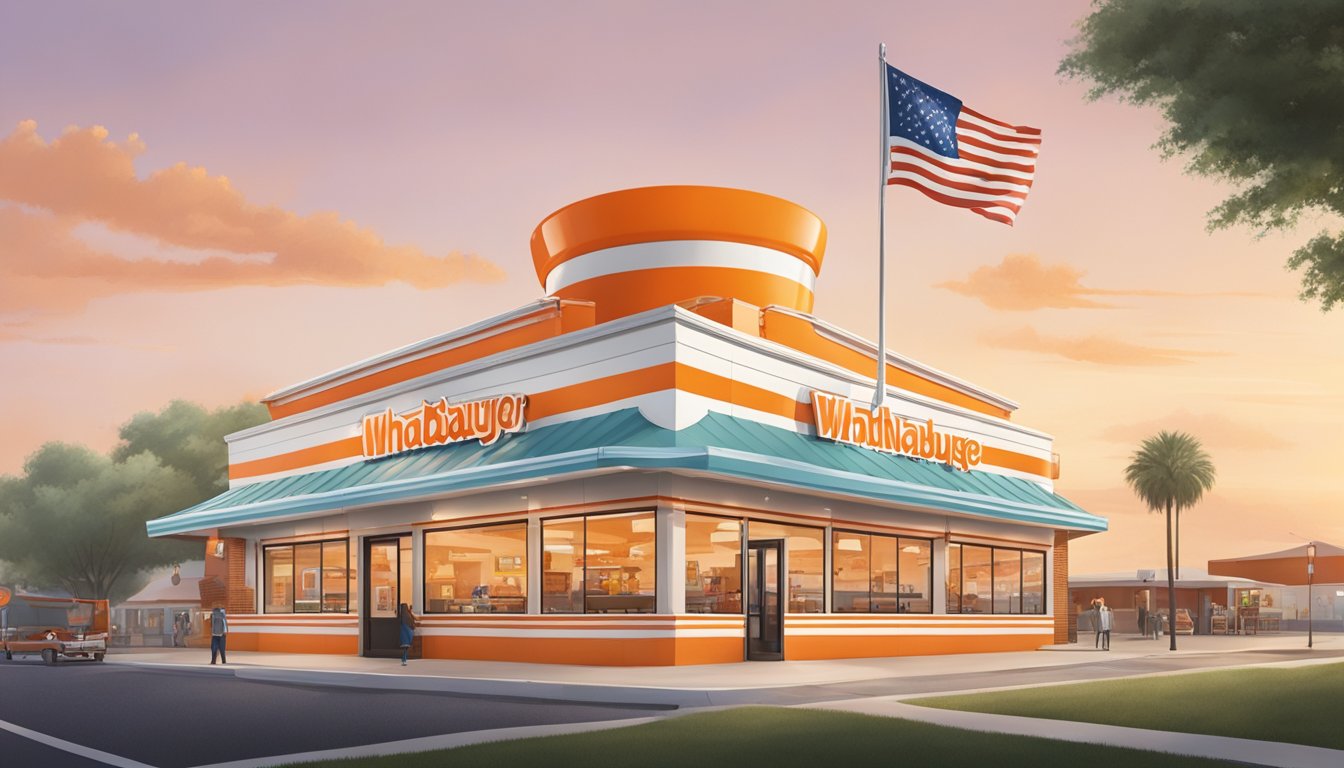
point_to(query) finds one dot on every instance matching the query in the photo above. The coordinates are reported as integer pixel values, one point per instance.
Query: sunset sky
(213, 202)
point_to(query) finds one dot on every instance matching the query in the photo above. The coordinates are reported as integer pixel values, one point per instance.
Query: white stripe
(1026, 146)
(968, 117)
(957, 176)
(988, 154)
(922, 631)
(431, 743)
(580, 634)
(283, 630)
(971, 166)
(106, 758)
(679, 253)
(987, 201)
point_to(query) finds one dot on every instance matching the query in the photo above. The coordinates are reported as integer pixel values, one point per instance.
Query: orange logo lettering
(842, 421)
(441, 423)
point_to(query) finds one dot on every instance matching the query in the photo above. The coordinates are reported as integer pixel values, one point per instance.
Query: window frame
(1021, 575)
(541, 534)
(897, 538)
(527, 562)
(295, 577)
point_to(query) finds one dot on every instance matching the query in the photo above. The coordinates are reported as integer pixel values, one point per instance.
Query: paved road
(174, 719)
(179, 717)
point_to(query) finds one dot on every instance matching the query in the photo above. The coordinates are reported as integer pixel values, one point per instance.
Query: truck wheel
(98, 656)
(49, 656)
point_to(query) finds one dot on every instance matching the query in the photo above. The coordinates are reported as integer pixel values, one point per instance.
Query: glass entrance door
(765, 604)
(387, 584)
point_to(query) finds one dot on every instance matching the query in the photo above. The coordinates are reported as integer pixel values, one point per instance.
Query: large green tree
(76, 518)
(190, 439)
(1170, 472)
(1252, 92)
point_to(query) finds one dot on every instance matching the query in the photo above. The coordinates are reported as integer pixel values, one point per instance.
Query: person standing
(219, 633)
(1104, 621)
(407, 631)
(1094, 615)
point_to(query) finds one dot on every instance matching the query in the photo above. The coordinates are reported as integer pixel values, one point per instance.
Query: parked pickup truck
(52, 627)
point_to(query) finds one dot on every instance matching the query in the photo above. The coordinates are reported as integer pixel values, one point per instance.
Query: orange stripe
(625, 293)
(588, 651)
(610, 389)
(801, 335)
(547, 323)
(652, 214)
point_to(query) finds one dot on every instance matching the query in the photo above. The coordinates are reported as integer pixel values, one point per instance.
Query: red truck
(52, 627)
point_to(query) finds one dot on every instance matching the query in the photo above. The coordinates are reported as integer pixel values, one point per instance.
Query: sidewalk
(717, 684)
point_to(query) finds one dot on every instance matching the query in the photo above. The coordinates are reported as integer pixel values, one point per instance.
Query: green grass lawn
(778, 738)
(1300, 705)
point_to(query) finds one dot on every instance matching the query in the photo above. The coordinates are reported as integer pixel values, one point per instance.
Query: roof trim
(724, 462)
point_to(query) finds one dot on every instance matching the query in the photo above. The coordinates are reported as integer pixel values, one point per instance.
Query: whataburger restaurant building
(667, 460)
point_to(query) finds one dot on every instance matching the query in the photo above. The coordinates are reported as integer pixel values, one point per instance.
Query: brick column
(226, 579)
(1060, 602)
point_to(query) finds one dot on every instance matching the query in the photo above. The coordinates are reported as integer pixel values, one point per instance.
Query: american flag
(956, 155)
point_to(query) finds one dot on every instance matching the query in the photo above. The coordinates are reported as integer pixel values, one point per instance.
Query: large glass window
(984, 579)
(713, 565)
(312, 577)
(804, 553)
(1007, 581)
(916, 571)
(481, 569)
(977, 582)
(599, 564)
(880, 574)
(1033, 582)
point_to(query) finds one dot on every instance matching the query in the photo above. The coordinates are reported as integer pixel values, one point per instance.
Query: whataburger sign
(845, 421)
(440, 423)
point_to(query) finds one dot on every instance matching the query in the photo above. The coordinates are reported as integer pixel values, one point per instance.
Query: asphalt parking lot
(180, 718)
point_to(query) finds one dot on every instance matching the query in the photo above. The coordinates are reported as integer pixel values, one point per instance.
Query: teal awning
(719, 445)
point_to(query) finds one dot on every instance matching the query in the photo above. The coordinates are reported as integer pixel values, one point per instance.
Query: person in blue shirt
(219, 633)
(407, 631)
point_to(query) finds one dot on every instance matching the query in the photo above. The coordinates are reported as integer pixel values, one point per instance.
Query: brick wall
(225, 581)
(1064, 617)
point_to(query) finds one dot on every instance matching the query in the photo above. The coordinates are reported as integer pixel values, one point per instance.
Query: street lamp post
(1311, 576)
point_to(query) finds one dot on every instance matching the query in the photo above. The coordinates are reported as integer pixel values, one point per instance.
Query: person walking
(1104, 620)
(407, 631)
(219, 633)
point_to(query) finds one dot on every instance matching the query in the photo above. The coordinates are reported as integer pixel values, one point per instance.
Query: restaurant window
(804, 552)
(1033, 582)
(480, 569)
(599, 564)
(713, 564)
(999, 580)
(873, 573)
(312, 577)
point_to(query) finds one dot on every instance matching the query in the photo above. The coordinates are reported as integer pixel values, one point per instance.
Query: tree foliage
(76, 518)
(1252, 92)
(1170, 472)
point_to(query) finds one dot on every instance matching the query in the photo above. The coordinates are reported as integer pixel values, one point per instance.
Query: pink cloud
(82, 176)
(1022, 283)
(1103, 350)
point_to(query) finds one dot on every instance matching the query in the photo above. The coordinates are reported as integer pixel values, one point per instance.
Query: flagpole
(885, 167)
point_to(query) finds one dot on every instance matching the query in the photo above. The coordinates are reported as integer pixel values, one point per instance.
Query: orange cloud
(1215, 431)
(1091, 349)
(1022, 283)
(82, 176)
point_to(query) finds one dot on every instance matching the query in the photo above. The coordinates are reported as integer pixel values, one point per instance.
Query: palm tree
(1170, 472)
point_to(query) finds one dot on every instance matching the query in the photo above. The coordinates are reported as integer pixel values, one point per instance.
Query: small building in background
(1288, 567)
(1203, 597)
(166, 612)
